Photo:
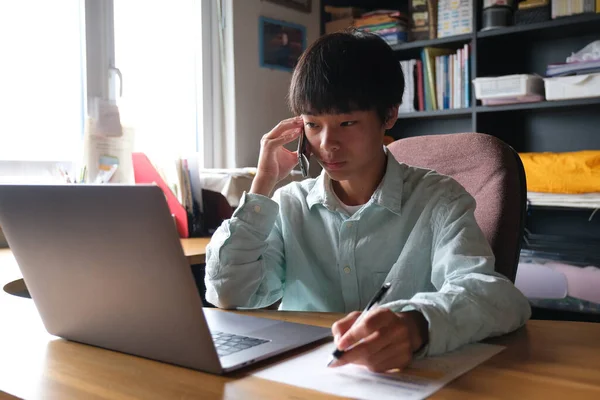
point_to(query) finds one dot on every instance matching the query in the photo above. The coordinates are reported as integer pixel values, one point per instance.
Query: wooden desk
(195, 249)
(543, 360)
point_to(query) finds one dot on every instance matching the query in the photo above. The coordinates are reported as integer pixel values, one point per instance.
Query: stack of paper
(421, 379)
(585, 200)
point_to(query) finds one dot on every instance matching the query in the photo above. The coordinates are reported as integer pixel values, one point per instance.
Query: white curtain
(219, 106)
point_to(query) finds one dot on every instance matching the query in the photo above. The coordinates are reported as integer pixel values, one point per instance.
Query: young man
(328, 244)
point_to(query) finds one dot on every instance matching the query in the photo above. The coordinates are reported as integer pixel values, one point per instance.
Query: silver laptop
(104, 266)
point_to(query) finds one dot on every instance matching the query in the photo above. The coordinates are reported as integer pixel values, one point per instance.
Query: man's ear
(391, 116)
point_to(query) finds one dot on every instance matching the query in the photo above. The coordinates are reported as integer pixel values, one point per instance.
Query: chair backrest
(491, 171)
(216, 210)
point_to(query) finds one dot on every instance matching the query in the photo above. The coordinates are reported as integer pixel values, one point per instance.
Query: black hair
(346, 71)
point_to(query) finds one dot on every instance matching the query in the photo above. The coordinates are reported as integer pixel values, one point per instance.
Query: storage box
(532, 15)
(454, 17)
(573, 87)
(423, 17)
(343, 12)
(533, 4)
(509, 86)
(339, 25)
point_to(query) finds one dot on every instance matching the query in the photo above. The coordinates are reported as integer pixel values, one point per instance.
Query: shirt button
(256, 209)
(347, 269)
(349, 224)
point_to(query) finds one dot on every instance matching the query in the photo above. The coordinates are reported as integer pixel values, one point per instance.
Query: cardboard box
(339, 25)
(524, 5)
(423, 17)
(343, 12)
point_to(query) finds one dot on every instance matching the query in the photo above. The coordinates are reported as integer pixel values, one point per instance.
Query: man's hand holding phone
(303, 154)
(275, 161)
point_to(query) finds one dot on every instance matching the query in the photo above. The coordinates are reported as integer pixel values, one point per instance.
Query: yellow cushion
(574, 172)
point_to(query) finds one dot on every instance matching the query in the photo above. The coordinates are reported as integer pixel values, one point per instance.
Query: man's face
(346, 144)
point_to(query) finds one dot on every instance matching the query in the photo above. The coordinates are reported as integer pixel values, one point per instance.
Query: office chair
(491, 171)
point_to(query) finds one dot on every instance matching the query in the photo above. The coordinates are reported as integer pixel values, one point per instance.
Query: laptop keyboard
(227, 343)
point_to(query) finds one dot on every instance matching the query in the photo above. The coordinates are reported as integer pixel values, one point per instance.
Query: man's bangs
(321, 97)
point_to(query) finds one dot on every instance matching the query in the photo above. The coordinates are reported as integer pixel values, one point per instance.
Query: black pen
(376, 299)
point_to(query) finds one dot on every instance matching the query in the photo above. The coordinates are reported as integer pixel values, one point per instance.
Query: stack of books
(585, 61)
(391, 25)
(564, 8)
(576, 68)
(452, 79)
(440, 80)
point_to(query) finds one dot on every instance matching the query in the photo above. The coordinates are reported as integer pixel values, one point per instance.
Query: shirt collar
(388, 194)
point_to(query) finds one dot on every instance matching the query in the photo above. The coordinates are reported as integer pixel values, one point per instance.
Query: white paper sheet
(584, 200)
(420, 380)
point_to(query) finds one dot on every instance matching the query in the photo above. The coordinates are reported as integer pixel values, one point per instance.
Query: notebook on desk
(105, 267)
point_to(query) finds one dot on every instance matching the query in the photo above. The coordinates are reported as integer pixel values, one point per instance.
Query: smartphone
(303, 154)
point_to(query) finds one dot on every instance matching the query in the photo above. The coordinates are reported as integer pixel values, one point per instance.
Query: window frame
(102, 80)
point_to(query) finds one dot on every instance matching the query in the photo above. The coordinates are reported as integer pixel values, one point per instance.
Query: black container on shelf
(497, 17)
(533, 15)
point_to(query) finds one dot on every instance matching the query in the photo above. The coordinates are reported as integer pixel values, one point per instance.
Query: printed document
(418, 381)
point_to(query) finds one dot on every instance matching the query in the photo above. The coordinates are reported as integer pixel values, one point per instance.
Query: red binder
(144, 172)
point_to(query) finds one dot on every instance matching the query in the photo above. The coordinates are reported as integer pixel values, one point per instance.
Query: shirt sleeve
(245, 257)
(472, 301)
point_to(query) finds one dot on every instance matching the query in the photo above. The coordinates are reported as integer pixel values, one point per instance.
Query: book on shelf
(409, 97)
(447, 83)
(420, 86)
(564, 8)
(440, 80)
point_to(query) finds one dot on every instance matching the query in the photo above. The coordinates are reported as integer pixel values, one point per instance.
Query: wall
(260, 93)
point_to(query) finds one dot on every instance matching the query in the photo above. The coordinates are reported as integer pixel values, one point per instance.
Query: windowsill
(32, 171)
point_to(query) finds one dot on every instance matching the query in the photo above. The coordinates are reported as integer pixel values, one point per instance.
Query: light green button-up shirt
(417, 231)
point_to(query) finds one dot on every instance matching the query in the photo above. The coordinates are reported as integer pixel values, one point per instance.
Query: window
(42, 79)
(158, 52)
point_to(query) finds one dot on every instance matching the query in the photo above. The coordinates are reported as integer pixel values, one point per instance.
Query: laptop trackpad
(234, 323)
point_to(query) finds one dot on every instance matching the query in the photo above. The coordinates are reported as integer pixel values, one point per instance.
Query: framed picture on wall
(300, 5)
(280, 43)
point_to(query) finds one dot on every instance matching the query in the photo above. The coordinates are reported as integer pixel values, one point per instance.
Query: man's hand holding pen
(387, 339)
